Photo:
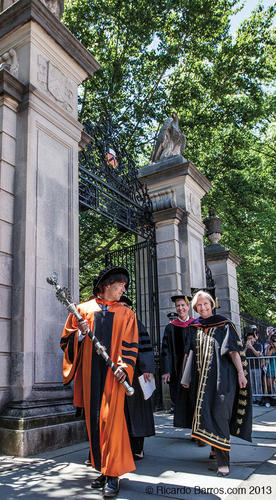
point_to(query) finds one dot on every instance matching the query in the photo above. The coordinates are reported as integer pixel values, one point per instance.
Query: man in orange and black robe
(96, 388)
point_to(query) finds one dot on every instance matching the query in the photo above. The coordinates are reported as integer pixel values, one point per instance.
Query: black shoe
(201, 444)
(99, 482)
(138, 456)
(222, 474)
(111, 487)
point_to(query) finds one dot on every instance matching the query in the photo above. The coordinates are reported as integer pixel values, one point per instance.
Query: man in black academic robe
(139, 412)
(172, 351)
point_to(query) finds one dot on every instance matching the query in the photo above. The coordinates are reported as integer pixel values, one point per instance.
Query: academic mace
(64, 296)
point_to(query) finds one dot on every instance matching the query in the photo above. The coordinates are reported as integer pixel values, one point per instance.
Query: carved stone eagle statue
(55, 6)
(170, 140)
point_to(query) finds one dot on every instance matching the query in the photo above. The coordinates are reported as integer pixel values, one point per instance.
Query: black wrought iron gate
(109, 185)
(140, 260)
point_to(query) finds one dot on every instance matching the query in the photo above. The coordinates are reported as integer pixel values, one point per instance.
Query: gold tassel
(187, 300)
(216, 303)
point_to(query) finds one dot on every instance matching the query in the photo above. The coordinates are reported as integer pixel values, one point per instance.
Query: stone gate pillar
(42, 65)
(176, 187)
(223, 263)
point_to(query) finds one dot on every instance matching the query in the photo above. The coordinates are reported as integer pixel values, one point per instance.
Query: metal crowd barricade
(262, 372)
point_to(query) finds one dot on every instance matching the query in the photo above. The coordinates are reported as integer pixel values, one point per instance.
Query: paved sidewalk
(173, 467)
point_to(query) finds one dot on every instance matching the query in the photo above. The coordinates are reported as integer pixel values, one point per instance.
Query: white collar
(184, 320)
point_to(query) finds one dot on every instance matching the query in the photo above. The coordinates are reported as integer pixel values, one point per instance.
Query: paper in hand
(147, 387)
(187, 374)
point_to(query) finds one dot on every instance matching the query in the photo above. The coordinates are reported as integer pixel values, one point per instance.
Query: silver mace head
(62, 294)
(52, 280)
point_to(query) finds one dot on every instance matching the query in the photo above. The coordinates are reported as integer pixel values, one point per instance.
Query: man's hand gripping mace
(64, 296)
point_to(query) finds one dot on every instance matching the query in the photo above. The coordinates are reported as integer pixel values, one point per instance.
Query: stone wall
(42, 66)
(8, 121)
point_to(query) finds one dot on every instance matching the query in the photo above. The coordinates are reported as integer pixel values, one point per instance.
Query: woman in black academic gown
(220, 396)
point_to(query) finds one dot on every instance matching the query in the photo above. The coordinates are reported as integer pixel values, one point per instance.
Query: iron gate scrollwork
(109, 185)
(108, 182)
(210, 283)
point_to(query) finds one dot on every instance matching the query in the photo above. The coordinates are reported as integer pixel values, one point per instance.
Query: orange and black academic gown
(96, 389)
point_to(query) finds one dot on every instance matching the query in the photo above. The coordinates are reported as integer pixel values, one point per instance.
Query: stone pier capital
(219, 252)
(170, 214)
(10, 85)
(170, 169)
(26, 11)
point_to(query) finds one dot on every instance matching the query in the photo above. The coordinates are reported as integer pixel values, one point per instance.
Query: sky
(249, 5)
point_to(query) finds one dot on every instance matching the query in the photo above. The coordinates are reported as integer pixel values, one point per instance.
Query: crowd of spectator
(262, 365)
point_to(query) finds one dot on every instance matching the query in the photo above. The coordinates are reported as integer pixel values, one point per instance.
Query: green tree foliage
(97, 237)
(164, 56)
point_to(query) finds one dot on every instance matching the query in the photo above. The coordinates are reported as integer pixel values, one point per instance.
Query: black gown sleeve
(165, 359)
(69, 343)
(231, 341)
(145, 360)
(189, 339)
